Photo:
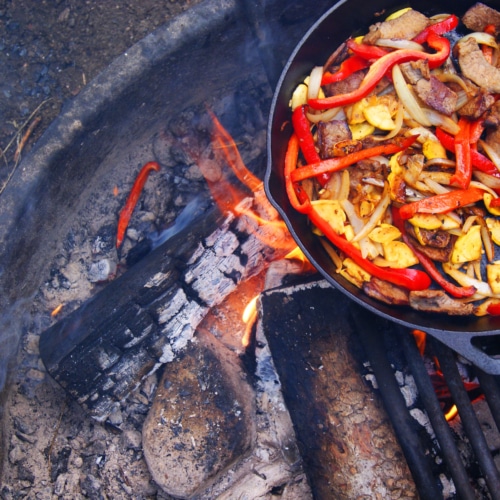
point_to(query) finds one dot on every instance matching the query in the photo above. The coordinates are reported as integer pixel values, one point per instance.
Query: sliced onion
(468, 223)
(376, 216)
(435, 187)
(487, 180)
(407, 98)
(440, 120)
(344, 185)
(399, 43)
(314, 82)
(463, 279)
(489, 247)
(423, 134)
(332, 253)
(490, 153)
(325, 116)
(439, 177)
(481, 38)
(484, 187)
(441, 162)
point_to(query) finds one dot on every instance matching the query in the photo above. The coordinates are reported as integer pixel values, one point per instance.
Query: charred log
(102, 351)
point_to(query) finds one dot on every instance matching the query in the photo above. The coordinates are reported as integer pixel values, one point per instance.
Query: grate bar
(491, 388)
(370, 332)
(470, 423)
(441, 427)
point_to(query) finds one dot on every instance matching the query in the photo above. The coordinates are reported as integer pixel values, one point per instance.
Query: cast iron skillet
(477, 339)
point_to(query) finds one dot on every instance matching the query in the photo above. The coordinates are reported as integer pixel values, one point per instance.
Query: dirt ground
(49, 50)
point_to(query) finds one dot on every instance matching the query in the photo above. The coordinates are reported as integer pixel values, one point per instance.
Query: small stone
(201, 421)
(102, 270)
(131, 439)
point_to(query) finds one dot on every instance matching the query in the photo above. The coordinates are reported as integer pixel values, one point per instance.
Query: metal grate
(417, 457)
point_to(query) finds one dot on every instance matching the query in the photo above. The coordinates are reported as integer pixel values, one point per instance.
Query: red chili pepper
(439, 28)
(442, 203)
(463, 168)
(347, 68)
(338, 163)
(478, 160)
(366, 51)
(133, 197)
(379, 68)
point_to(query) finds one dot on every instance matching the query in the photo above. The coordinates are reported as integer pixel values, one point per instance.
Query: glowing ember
(56, 310)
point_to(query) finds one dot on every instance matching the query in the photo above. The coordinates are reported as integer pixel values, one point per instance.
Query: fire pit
(58, 248)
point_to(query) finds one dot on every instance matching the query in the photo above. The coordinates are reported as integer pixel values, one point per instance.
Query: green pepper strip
(442, 203)
(439, 28)
(428, 264)
(338, 163)
(478, 160)
(463, 168)
(347, 68)
(412, 279)
(379, 68)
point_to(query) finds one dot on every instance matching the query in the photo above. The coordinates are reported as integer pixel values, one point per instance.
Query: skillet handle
(481, 350)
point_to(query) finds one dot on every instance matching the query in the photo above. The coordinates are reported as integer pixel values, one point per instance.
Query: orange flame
(56, 310)
(228, 196)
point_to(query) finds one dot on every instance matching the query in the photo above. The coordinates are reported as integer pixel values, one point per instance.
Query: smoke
(195, 208)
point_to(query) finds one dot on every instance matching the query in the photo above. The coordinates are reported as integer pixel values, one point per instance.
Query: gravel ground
(49, 50)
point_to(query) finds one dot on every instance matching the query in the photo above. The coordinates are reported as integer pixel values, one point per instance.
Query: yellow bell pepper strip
(439, 28)
(412, 279)
(428, 264)
(366, 51)
(347, 68)
(463, 169)
(338, 163)
(380, 67)
(442, 203)
(478, 160)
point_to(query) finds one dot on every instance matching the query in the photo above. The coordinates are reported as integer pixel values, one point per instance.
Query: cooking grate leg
(470, 423)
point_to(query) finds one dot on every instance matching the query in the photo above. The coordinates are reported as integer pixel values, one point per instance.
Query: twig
(21, 144)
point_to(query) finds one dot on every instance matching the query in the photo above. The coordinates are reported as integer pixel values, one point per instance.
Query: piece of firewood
(345, 437)
(100, 352)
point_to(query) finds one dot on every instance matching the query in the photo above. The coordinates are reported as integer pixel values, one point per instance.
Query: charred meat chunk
(386, 292)
(404, 27)
(330, 134)
(479, 16)
(475, 67)
(437, 301)
(437, 95)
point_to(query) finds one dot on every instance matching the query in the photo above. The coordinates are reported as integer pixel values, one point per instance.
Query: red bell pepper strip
(478, 160)
(347, 68)
(338, 163)
(430, 267)
(442, 203)
(302, 128)
(439, 28)
(412, 279)
(463, 168)
(133, 197)
(366, 51)
(493, 308)
(379, 68)
(428, 264)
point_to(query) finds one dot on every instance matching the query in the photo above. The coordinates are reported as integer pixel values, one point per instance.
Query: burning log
(102, 351)
(346, 440)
